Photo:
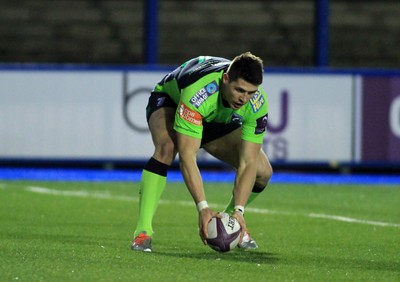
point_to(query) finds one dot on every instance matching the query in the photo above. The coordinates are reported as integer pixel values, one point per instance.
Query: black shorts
(211, 130)
(158, 100)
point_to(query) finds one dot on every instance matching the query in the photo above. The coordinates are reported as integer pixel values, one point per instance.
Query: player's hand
(239, 217)
(205, 216)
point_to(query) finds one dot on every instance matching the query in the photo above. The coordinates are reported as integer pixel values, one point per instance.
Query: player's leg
(264, 174)
(154, 173)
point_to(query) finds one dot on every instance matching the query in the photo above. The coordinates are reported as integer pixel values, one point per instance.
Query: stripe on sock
(156, 167)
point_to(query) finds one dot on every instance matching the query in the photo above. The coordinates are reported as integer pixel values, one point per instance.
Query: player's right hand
(205, 216)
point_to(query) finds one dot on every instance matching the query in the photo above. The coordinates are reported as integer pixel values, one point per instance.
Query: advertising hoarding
(101, 115)
(380, 119)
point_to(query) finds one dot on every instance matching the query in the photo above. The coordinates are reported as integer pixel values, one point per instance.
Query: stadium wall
(88, 114)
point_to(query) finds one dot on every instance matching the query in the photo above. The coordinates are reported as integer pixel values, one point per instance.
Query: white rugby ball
(223, 233)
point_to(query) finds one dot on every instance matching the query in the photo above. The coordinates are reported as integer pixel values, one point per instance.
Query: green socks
(151, 187)
(229, 209)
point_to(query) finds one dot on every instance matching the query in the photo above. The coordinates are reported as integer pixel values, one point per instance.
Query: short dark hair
(248, 67)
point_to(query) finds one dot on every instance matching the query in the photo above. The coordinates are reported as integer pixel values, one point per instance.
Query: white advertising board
(101, 115)
(310, 117)
(69, 115)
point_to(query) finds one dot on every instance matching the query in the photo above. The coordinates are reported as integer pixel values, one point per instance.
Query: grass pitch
(81, 231)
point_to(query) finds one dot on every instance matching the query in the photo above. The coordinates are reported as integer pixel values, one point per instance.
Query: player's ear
(225, 78)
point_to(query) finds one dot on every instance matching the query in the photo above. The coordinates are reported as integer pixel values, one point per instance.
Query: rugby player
(214, 104)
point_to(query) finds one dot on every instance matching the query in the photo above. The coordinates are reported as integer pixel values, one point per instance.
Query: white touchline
(103, 195)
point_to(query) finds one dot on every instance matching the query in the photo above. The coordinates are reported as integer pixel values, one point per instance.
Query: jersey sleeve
(256, 118)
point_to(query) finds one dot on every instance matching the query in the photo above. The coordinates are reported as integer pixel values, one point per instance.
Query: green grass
(81, 231)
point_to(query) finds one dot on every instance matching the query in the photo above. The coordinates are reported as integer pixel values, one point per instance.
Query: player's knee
(165, 152)
(262, 179)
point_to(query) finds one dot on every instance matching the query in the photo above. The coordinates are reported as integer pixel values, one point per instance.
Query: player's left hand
(240, 218)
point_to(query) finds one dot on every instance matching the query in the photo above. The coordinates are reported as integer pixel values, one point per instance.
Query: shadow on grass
(260, 257)
(252, 257)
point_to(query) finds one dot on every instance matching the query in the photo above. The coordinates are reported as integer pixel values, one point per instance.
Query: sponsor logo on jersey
(189, 115)
(203, 94)
(261, 124)
(257, 101)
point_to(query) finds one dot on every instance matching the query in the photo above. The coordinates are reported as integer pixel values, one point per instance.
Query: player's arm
(245, 177)
(188, 147)
(253, 131)
(246, 172)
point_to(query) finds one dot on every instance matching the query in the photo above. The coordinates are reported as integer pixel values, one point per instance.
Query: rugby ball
(223, 233)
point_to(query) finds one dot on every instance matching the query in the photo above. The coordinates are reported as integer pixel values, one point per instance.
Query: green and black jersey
(195, 88)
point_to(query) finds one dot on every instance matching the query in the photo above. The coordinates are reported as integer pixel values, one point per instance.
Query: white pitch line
(80, 193)
(353, 220)
(102, 195)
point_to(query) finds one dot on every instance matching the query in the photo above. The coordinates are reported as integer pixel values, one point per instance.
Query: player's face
(237, 93)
